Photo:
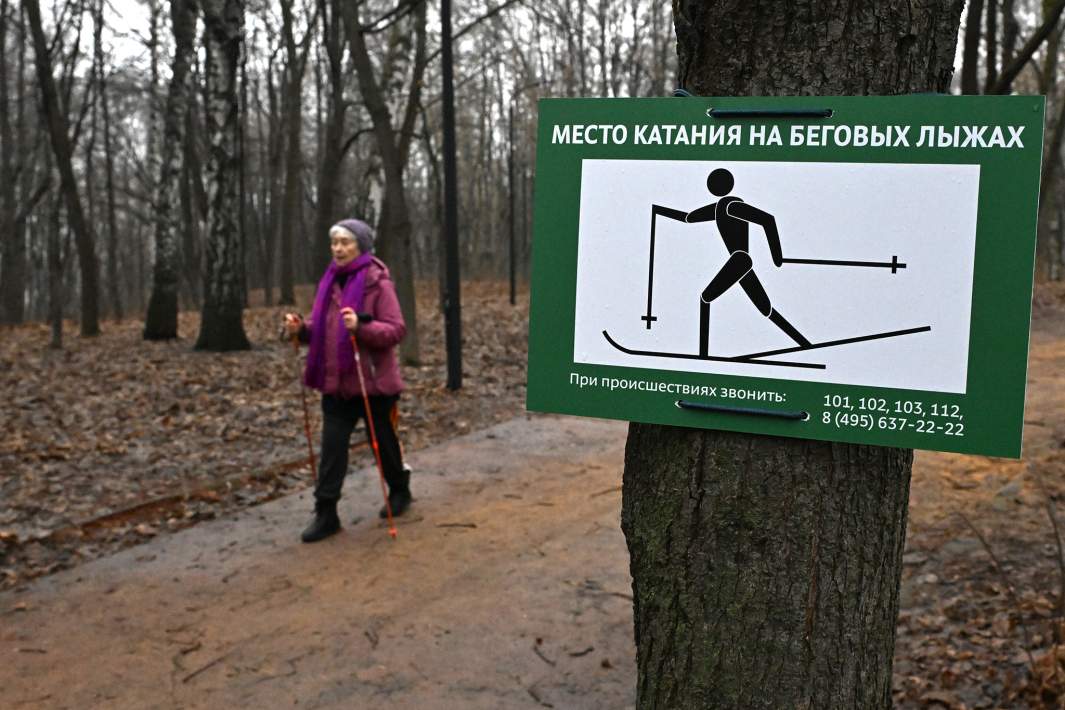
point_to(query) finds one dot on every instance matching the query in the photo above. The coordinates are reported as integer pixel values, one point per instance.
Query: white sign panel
(874, 285)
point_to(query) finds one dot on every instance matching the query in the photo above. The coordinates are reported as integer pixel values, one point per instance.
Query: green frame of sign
(991, 410)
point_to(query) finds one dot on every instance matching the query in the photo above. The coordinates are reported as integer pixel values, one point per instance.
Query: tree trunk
(1011, 29)
(56, 290)
(1049, 75)
(12, 240)
(1045, 256)
(766, 570)
(221, 325)
(991, 43)
(191, 217)
(265, 231)
(151, 159)
(114, 282)
(332, 154)
(99, 62)
(292, 103)
(92, 90)
(60, 137)
(970, 54)
(161, 322)
(274, 174)
(1059, 246)
(394, 227)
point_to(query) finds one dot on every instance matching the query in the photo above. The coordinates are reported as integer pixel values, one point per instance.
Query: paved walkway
(508, 587)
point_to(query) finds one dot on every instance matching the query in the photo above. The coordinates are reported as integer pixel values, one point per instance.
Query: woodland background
(334, 109)
(169, 165)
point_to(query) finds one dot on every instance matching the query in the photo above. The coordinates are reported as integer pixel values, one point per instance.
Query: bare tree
(221, 325)
(161, 322)
(113, 283)
(292, 101)
(58, 130)
(13, 260)
(333, 144)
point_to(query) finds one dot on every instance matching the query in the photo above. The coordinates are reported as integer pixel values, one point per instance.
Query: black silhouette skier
(733, 216)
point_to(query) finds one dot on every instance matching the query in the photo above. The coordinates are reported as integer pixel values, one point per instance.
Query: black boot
(399, 497)
(325, 523)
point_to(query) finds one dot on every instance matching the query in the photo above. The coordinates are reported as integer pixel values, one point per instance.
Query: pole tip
(392, 533)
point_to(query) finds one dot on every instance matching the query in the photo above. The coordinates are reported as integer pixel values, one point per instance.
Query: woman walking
(355, 297)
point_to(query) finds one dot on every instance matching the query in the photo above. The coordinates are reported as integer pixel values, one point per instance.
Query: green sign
(854, 269)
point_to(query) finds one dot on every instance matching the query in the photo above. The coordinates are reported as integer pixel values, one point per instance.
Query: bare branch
(488, 15)
(1005, 79)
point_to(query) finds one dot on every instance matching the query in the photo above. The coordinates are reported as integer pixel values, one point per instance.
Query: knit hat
(359, 231)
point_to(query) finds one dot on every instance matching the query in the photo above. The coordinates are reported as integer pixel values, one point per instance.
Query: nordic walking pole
(373, 436)
(306, 413)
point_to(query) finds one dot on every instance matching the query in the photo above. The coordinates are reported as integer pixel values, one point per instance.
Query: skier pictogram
(733, 217)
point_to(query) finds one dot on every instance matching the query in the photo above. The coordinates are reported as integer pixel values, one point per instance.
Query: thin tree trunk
(152, 157)
(1058, 254)
(766, 570)
(394, 227)
(265, 232)
(113, 285)
(1011, 29)
(114, 281)
(332, 155)
(161, 320)
(970, 55)
(1044, 250)
(274, 172)
(991, 51)
(191, 262)
(221, 323)
(12, 240)
(292, 103)
(59, 134)
(1049, 75)
(56, 290)
(93, 89)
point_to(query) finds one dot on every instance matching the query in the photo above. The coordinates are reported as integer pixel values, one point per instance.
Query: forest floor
(113, 440)
(513, 590)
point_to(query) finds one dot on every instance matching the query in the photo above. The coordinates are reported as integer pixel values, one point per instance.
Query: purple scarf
(351, 297)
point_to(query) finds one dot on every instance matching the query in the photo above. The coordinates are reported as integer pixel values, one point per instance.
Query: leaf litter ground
(114, 441)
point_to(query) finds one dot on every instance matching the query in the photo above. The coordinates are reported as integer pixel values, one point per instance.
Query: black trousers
(339, 417)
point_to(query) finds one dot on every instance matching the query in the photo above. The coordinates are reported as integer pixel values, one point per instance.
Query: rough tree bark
(160, 322)
(58, 132)
(221, 325)
(766, 570)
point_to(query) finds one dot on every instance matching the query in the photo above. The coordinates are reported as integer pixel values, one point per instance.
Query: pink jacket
(377, 339)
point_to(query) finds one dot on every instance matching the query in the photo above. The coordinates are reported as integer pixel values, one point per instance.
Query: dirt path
(504, 590)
